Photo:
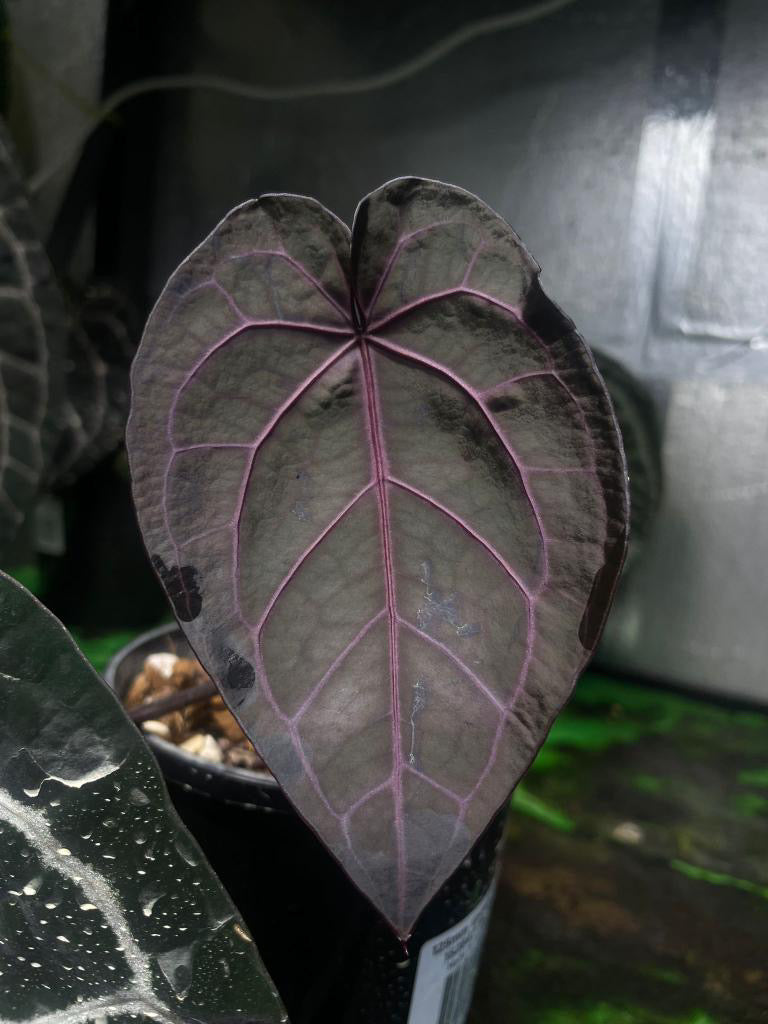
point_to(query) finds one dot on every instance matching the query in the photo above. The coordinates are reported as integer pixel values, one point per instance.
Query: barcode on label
(457, 992)
(445, 976)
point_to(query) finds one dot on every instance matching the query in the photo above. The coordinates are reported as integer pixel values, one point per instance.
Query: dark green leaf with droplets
(108, 909)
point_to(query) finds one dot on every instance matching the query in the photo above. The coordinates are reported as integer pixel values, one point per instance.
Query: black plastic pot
(331, 956)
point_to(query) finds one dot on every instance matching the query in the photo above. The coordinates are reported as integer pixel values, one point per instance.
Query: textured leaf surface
(383, 487)
(33, 328)
(108, 911)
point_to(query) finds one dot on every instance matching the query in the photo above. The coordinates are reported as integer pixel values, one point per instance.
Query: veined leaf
(33, 331)
(382, 484)
(108, 911)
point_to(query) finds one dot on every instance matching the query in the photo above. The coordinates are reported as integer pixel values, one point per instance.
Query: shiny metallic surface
(693, 608)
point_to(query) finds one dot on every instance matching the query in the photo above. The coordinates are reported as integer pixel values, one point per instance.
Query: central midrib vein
(381, 472)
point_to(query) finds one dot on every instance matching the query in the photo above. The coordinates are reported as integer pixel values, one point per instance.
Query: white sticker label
(445, 976)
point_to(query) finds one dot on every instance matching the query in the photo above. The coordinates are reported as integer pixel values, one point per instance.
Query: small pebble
(162, 662)
(175, 722)
(243, 757)
(205, 729)
(225, 724)
(187, 672)
(155, 728)
(210, 750)
(194, 744)
(628, 832)
(139, 691)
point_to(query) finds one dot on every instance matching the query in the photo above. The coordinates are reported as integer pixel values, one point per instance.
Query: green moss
(658, 709)
(99, 649)
(610, 1013)
(593, 734)
(664, 974)
(525, 802)
(630, 712)
(754, 777)
(601, 1013)
(647, 783)
(750, 804)
(549, 759)
(28, 576)
(548, 986)
(718, 878)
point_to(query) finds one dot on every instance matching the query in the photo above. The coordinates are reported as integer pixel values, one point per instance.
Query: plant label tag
(445, 976)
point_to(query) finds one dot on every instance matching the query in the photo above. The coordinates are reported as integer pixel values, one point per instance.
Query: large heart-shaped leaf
(108, 911)
(383, 487)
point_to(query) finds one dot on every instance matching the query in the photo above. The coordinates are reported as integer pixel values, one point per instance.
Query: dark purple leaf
(33, 330)
(108, 910)
(384, 488)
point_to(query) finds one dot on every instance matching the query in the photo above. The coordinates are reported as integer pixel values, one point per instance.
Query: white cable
(340, 87)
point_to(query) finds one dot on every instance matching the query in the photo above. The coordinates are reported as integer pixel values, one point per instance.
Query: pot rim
(208, 777)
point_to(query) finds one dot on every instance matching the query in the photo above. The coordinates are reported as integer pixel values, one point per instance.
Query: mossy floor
(634, 887)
